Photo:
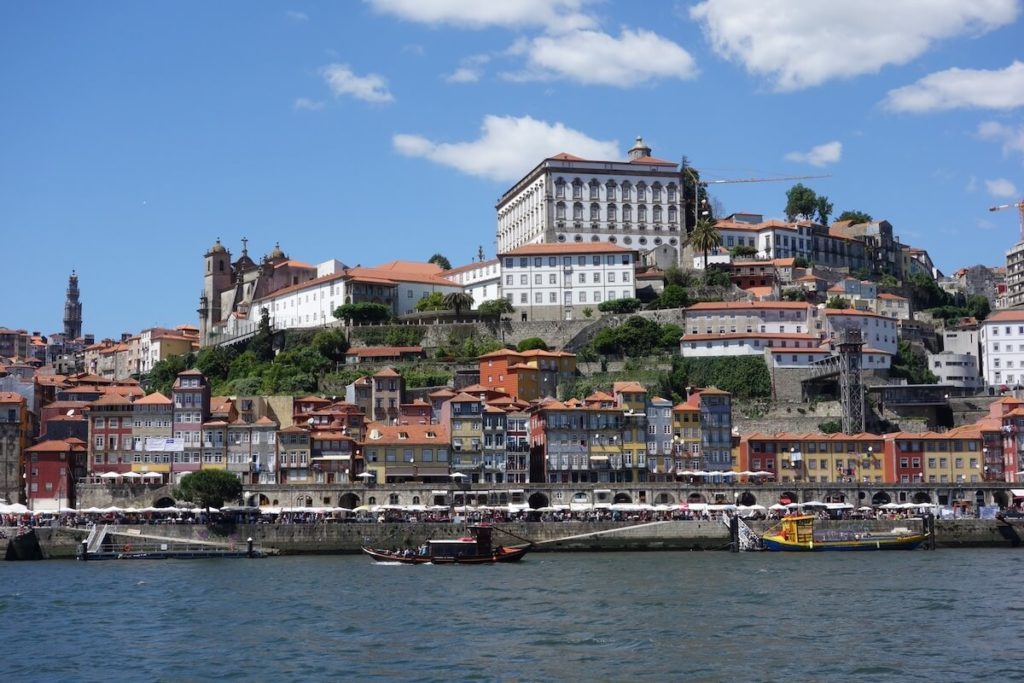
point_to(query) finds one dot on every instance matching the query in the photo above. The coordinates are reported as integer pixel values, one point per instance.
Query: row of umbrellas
(131, 475)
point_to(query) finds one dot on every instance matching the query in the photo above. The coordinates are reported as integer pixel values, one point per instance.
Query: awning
(599, 457)
(332, 457)
(516, 491)
(602, 490)
(439, 492)
(1017, 493)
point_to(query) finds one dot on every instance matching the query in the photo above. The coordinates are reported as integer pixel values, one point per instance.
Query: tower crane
(763, 180)
(1020, 207)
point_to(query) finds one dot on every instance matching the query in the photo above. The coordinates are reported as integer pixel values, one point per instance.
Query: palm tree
(705, 237)
(458, 301)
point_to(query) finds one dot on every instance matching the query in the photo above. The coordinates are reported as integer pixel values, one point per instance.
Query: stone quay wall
(347, 538)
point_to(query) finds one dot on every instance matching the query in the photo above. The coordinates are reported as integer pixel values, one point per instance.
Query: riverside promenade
(575, 536)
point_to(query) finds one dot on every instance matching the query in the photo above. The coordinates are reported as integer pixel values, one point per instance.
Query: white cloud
(470, 71)
(819, 155)
(596, 58)
(555, 15)
(804, 43)
(297, 17)
(1001, 187)
(960, 89)
(507, 148)
(369, 88)
(972, 184)
(1011, 138)
(306, 104)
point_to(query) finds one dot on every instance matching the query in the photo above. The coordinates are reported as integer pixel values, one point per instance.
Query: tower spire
(72, 310)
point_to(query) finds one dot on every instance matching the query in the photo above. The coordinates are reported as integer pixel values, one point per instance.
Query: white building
(956, 369)
(568, 200)
(879, 334)
(480, 279)
(746, 317)
(560, 281)
(773, 239)
(1002, 348)
(749, 344)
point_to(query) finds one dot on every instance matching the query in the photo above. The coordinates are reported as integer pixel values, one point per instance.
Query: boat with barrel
(797, 533)
(477, 548)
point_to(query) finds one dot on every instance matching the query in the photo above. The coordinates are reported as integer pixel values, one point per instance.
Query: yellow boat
(797, 534)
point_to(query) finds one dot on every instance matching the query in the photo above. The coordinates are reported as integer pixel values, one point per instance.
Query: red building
(53, 467)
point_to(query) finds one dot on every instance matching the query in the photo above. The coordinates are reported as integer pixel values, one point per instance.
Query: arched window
(609, 191)
(656, 192)
(577, 189)
(671, 192)
(560, 189)
(673, 214)
(627, 212)
(641, 213)
(595, 212)
(577, 211)
(627, 191)
(595, 189)
(560, 211)
(612, 213)
(641, 192)
(415, 500)
(393, 499)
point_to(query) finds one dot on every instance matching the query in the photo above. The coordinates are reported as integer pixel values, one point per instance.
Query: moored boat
(473, 549)
(797, 533)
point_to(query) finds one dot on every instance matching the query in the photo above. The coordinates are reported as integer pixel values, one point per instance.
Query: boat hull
(501, 555)
(908, 542)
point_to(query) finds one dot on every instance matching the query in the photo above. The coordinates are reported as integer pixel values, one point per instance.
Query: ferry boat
(474, 549)
(797, 533)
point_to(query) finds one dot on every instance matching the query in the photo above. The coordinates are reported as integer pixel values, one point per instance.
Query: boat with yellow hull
(797, 534)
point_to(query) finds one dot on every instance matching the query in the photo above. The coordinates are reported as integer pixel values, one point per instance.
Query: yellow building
(152, 446)
(400, 453)
(953, 457)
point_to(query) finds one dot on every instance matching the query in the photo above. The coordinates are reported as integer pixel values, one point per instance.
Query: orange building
(527, 375)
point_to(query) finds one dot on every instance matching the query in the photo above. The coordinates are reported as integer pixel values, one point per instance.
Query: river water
(947, 615)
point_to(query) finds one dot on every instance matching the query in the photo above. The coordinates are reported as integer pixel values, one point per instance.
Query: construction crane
(1020, 207)
(763, 180)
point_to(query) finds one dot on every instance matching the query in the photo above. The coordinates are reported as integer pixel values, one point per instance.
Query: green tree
(161, 377)
(532, 343)
(837, 302)
(628, 305)
(743, 251)
(794, 294)
(978, 307)
(262, 343)
(431, 302)
(495, 307)
(742, 376)
(830, 427)
(635, 337)
(588, 312)
(714, 277)
(331, 344)
(911, 366)
(888, 280)
(855, 216)
(801, 202)
(673, 296)
(801, 262)
(209, 488)
(440, 260)
(215, 362)
(696, 202)
(670, 336)
(363, 313)
(458, 301)
(705, 237)
(824, 209)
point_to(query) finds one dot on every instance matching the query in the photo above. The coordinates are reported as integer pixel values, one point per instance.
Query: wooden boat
(474, 549)
(797, 533)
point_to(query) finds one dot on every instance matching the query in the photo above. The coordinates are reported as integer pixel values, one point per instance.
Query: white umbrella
(778, 506)
(365, 475)
(152, 475)
(459, 476)
(110, 475)
(132, 475)
(865, 508)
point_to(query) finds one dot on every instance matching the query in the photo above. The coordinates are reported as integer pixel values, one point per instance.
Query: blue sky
(136, 133)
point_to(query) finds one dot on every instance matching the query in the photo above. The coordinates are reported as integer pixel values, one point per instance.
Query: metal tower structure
(851, 388)
(72, 310)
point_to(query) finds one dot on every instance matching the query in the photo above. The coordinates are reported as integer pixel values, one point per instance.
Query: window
(552, 279)
(523, 280)
(538, 297)
(523, 298)
(508, 280)
(538, 279)
(597, 277)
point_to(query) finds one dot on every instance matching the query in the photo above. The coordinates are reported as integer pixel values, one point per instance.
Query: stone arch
(922, 497)
(979, 498)
(664, 499)
(622, 498)
(393, 499)
(415, 500)
(274, 502)
(537, 500)
(348, 500)
(881, 498)
(165, 502)
(372, 500)
(746, 498)
(696, 497)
